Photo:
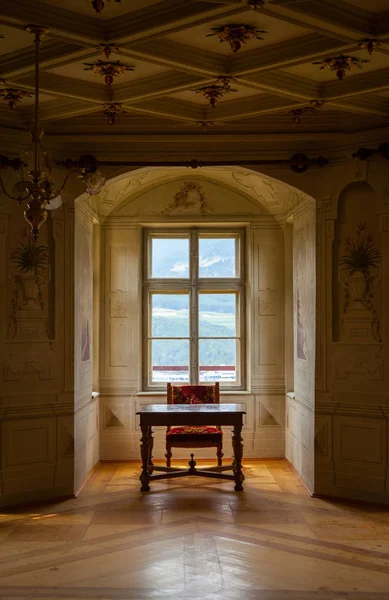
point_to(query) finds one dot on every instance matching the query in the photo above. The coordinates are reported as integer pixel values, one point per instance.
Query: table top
(192, 408)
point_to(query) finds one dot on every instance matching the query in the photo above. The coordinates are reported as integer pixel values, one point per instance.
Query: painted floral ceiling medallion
(109, 70)
(98, 5)
(214, 93)
(112, 111)
(13, 96)
(314, 107)
(236, 35)
(107, 49)
(340, 64)
(369, 44)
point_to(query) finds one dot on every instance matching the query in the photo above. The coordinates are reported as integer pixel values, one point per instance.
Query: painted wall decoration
(190, 195)
(300, 267)
(30, 274)
(360, 264)
(301, 338)
(85, 299)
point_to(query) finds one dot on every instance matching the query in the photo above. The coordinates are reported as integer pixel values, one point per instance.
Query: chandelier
(35, 187)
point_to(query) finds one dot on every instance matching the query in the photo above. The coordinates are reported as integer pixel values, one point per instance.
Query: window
(194, 307)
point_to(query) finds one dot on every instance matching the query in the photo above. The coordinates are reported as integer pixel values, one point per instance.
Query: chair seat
(190, 436)
(195, 430)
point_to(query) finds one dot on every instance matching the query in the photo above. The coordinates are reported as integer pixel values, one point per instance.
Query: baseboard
(346, 495)
(35, 497)
(310, 492)
(93, 469)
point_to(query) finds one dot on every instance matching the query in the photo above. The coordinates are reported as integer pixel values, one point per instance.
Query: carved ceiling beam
(285, 85)
(167, 17)
(374, 81)
(66, 87)
(61, 108)
(171, 108)
(285, 54)
(368, 106)
(381, 24)
(61, 23)
(156, 85)
(252, 105)
(178, 56)
(342, 21)
(299, 163)
(52, 54)
(11, 118)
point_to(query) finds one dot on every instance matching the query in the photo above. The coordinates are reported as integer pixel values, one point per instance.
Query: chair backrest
(193, 394)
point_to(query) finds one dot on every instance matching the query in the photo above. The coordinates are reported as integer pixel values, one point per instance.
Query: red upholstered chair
(187, 436)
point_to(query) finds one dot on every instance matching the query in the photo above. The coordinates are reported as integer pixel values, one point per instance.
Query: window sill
(222, 393)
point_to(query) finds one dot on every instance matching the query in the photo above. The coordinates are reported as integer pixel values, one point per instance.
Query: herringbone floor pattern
(196, 539)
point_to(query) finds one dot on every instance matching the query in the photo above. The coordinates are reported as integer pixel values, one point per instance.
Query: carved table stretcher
(191, 414)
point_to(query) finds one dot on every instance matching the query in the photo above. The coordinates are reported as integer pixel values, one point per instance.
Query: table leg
(145, 454)
(238, 454)
(151, 446)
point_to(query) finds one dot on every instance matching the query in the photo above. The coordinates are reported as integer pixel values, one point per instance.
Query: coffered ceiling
(166, 42)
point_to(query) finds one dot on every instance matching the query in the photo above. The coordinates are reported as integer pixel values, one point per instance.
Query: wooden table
(191, 414)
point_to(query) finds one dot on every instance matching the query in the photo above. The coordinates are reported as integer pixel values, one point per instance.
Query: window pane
(217, 360)
(217, 257)
(217, 315)
(170, 360)
(170, 315)
(170, 257)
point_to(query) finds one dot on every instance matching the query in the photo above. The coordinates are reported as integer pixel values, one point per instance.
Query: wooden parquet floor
(195, 539)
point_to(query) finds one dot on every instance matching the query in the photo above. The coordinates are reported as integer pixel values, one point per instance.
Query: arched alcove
(276, 425)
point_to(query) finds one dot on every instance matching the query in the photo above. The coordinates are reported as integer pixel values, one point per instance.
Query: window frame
(193, 285)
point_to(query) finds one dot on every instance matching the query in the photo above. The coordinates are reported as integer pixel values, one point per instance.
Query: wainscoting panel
(263, 431)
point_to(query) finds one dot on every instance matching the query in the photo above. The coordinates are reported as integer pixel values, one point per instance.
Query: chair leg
(168, 454)
(219, 455)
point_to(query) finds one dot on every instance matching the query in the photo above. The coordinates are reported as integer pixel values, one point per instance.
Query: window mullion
(194, 306)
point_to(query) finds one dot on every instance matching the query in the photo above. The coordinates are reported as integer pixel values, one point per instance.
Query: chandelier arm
(17, 198)
(36, 132)
(64, 182)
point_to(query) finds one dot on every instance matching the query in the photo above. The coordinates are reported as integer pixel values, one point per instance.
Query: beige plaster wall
(352, 386)
(86, 418)
(36, 383)
(300, 406)
(121, 308)
(38, 403)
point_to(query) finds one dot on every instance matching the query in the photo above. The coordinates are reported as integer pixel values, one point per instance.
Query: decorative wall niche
(356, 268)
(31, 308)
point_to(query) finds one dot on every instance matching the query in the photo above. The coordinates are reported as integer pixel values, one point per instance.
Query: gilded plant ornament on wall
(30, 261)
(109, 70)
(314, 107)
(340, 64)
(214, 93)
(98, 5)
(236, 35)
(360, 263)
(190, 195)
(13, 95)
